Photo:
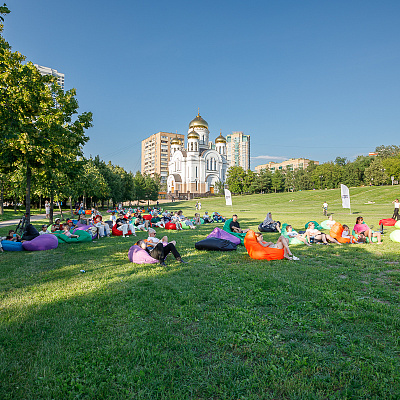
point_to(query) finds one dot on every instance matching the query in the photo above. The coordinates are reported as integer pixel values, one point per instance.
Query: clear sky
(311, 78)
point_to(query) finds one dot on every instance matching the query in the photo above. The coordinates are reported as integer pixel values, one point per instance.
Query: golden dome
(220, 139)
(176, 140)
(198, 122)
(193, 135)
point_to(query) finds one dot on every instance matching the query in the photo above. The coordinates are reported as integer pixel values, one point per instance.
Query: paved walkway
(34, 218)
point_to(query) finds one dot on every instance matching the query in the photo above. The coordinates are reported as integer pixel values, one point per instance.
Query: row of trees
(364, 170)
(42, 138)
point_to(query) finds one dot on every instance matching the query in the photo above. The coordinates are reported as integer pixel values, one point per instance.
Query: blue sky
(315, 79)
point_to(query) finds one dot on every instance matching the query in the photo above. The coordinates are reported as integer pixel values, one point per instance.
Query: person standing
(47, 208)
(396, 209)
(325, 208)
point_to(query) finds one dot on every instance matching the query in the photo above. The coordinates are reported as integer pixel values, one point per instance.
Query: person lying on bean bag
(293, 236)
(159, 251)
(269, 225)
(258, 251)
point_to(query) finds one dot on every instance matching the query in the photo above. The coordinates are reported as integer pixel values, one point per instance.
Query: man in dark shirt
(235, 226)
(159, 251)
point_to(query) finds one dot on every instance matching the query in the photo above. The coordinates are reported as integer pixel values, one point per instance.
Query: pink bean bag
(170, 225)
(221, 234)
(139, 256)
(42, 242)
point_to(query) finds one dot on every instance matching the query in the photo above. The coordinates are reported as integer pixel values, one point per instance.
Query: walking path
(34, 218)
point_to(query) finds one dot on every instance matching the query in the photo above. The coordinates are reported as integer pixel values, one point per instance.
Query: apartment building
(238, 150)
(156, 151)
(292, 164)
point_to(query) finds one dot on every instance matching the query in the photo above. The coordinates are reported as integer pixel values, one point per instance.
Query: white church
(199, 167)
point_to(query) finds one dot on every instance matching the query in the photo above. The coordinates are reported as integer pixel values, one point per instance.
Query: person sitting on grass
(124, 226)
(104, 229)
(177, 221)
(207, 218)
(346, 233)
(314, 235)
(140, 223)
(66, 232)
(234, 226)
(361, 227)
(13, 237)
(44, 230)
(152, 237)
(282, 243)
(197, 219)
(188, 223)
(293, 234)
(159, 251)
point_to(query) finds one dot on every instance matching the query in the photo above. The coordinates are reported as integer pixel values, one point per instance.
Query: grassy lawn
(222, 326)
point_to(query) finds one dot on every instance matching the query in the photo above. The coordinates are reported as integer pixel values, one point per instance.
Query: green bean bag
(324, 224)
(83, 237)
(317, 225)
(201, 221)
(184, 226)
(292, 241)
(374, 239)
(226, 228)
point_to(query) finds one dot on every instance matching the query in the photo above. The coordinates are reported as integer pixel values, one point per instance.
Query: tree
(3, 11)
(35, 133)
(387, 151)
(341, 161)
(235, 179)
(277, 181)
(375, 174)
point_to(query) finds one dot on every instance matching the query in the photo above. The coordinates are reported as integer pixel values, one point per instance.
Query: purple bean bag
(139, 256)
(221, 234)
(42, 242)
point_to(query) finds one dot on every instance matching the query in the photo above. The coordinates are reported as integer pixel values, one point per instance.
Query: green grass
(221, 327)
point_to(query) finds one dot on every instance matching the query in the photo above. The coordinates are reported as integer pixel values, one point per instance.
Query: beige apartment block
(156, 151)
(238, 150)
(292, 164)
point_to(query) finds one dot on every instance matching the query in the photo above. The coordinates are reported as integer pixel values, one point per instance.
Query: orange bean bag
(258, 252)
(117, 232)
(336, 232)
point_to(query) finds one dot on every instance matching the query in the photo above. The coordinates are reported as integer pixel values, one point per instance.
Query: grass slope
(221, 327)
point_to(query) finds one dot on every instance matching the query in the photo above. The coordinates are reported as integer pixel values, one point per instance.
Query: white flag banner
(228, 197)
(345, 196)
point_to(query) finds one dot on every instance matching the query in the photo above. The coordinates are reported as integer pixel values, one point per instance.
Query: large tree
(37, 130)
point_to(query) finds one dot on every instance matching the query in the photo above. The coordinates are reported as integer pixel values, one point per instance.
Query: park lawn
(11, 214)
(222, 326)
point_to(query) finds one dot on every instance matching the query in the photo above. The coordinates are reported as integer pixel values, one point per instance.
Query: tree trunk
(28, 194)
(59, 207)
(40, 203)
(15, 203)
(70, 206)
(2, 198)
(51, 207)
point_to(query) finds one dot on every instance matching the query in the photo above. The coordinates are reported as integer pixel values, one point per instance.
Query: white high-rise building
(50, 71)
(238, 150)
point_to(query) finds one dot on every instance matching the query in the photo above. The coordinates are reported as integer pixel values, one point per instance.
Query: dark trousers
(160, 252)
(396, 214)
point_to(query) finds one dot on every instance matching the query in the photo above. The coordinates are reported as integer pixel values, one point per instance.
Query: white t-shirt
(396, 204)
(153, 239)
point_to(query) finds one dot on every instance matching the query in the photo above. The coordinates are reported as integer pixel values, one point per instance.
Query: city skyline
(315, 80)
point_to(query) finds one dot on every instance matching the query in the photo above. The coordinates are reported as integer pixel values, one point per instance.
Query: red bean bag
(387, 222)
(147, 217)
(170, 225)
(336, 232)
(258, 252)
(117, 232)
